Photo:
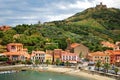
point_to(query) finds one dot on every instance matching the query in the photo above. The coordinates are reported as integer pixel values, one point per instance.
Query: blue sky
(14, 12)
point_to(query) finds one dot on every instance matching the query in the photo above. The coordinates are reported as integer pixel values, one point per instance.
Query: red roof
(68, 53)
(73, 45)
(108, 44)
(37, 52)
(116, 52)
(19, 53)
(99, 53)
(15, 44)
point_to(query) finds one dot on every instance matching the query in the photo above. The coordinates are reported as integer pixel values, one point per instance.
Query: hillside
(89, 27)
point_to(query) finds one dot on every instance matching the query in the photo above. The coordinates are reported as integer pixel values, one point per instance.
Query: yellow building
(48, 57)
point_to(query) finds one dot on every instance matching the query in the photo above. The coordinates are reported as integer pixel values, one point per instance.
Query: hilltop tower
(101, 6)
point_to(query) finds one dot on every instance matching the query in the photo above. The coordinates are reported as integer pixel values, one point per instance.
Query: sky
(14, 12)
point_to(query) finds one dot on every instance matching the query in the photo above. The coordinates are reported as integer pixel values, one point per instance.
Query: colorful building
(17, 52)
(5, 28)
(48, 57)
(57, 54)
(78, 49)
(70, 57)
(14, 47)
(109, 45)
(99, 56)
(114, 56)
(38, 55)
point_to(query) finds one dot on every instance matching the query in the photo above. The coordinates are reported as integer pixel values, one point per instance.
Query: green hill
(89, 27)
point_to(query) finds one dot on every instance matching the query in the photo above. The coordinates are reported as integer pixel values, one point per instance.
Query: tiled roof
(38, 52)
(73, 45)
(68, 53)
(20, 53)
(116, 52)
(108, 44)
(15, 44)
(98, 53)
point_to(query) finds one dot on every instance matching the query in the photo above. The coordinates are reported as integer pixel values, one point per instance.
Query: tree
(67, 63)
(106, 67)
(21, 28)
(98, 64)
(80, 55)
(7, 39)
(116, 70)
(1, 34)
(37, 62)
(4, 58)
(57, 62)
(51, 46)
(10, 32)
(47, 62)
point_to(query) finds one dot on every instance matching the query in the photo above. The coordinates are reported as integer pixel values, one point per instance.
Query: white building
(38, 55)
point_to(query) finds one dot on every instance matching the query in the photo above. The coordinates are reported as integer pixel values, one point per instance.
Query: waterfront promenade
(62, 70)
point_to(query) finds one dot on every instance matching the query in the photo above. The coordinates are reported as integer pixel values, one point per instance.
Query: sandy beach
(74, 72)
(64, 70)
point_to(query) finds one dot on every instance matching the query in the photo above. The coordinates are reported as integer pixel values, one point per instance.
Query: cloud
(15, 12)
(58, 17)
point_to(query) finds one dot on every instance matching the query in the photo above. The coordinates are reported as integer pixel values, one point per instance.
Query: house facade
(79, 49)
(38, 55)
(99, 56)
(48, 57)
(115, 56)
(70, 57)
(57, 54)
(5, 28)
(17, 52)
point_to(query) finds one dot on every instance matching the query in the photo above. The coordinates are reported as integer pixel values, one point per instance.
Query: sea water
(34, 75)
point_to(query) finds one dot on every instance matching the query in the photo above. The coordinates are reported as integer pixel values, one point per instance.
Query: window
(66, 57)
(63, 57)
(95, 56)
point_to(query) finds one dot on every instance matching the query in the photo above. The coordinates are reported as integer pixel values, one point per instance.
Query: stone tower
(101, 6)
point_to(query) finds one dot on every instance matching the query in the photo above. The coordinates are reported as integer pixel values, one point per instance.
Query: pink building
(5, 28)
(70, 57)
(14, 47)
(17, 52)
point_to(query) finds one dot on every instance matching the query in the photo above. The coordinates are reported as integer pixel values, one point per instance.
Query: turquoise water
(33, 75)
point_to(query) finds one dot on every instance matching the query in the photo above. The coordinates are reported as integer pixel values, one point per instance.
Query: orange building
(107, 44)
(102, 56)
(57, 54)
(14, 47)
(17, 52)
(5, 28)
(114, 56)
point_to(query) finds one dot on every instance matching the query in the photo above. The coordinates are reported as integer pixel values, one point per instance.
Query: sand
(72, 71)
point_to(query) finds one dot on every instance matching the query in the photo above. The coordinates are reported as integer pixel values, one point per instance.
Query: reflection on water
(50, 79)
(33, 75)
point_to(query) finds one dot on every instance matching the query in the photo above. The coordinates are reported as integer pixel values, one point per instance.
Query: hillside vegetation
(89, 27)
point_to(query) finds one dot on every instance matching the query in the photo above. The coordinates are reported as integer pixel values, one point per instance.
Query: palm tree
(106, 67)
(98, 64)
(116, 70)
